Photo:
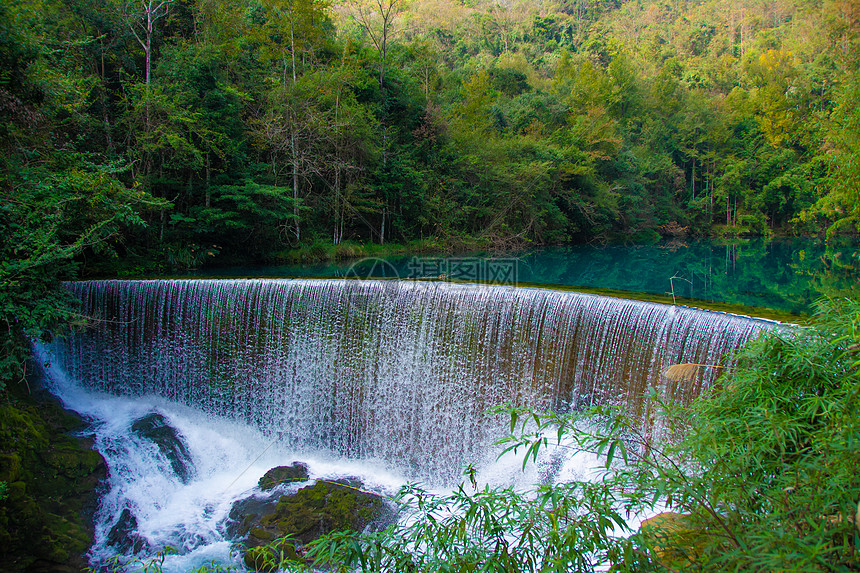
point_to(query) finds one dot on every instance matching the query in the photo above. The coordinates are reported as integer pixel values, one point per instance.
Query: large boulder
(296, 472)
(246, 512)
(275, 528)
(318, 509)
(53, 479)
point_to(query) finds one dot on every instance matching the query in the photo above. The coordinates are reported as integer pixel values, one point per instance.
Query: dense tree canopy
(259, 127)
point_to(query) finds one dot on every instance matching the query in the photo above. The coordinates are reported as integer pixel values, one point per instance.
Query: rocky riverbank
(53, 478)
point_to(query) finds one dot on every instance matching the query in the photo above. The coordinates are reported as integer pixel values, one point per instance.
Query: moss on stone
(272, 557)
(297, 519)
(52, 476)
(322, 508)
(296, 472)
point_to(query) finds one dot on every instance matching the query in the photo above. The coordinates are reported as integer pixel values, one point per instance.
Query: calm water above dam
(786, 274)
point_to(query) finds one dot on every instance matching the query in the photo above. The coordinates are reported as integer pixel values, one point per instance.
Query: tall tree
(842, 204)
(140, 16)
(378, 19)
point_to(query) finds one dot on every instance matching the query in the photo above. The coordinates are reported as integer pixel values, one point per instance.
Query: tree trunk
(295, 186)
(693, 177)
(293, 46)
(208, 171)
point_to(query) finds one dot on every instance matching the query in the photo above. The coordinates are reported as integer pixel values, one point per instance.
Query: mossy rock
(72, 462)
(10, 467)
(295, 520)
(245, 514)
(272, 557)
(296, 472)
(322, 508)
(262, 535)
(54, 479)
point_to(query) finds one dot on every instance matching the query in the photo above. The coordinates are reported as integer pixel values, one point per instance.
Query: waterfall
(396, 371)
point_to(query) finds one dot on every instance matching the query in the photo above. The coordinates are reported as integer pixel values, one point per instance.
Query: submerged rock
(278, 526)
(155, 428)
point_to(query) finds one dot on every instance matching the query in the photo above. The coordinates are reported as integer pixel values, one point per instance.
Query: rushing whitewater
(398, 372)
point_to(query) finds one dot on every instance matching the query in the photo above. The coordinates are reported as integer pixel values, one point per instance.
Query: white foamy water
(228, 458)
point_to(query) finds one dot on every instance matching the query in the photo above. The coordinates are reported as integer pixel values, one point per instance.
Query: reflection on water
(786, 274)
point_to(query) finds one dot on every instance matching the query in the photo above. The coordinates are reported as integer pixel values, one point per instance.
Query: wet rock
(155, 428)
(278, 526)
(123, 535)
(246, 512)
(53, 479)
(295, 472)
(316, 510)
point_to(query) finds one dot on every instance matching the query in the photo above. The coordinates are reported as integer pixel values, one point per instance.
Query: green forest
(170, 134)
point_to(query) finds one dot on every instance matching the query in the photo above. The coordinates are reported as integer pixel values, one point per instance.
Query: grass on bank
(176, 258)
